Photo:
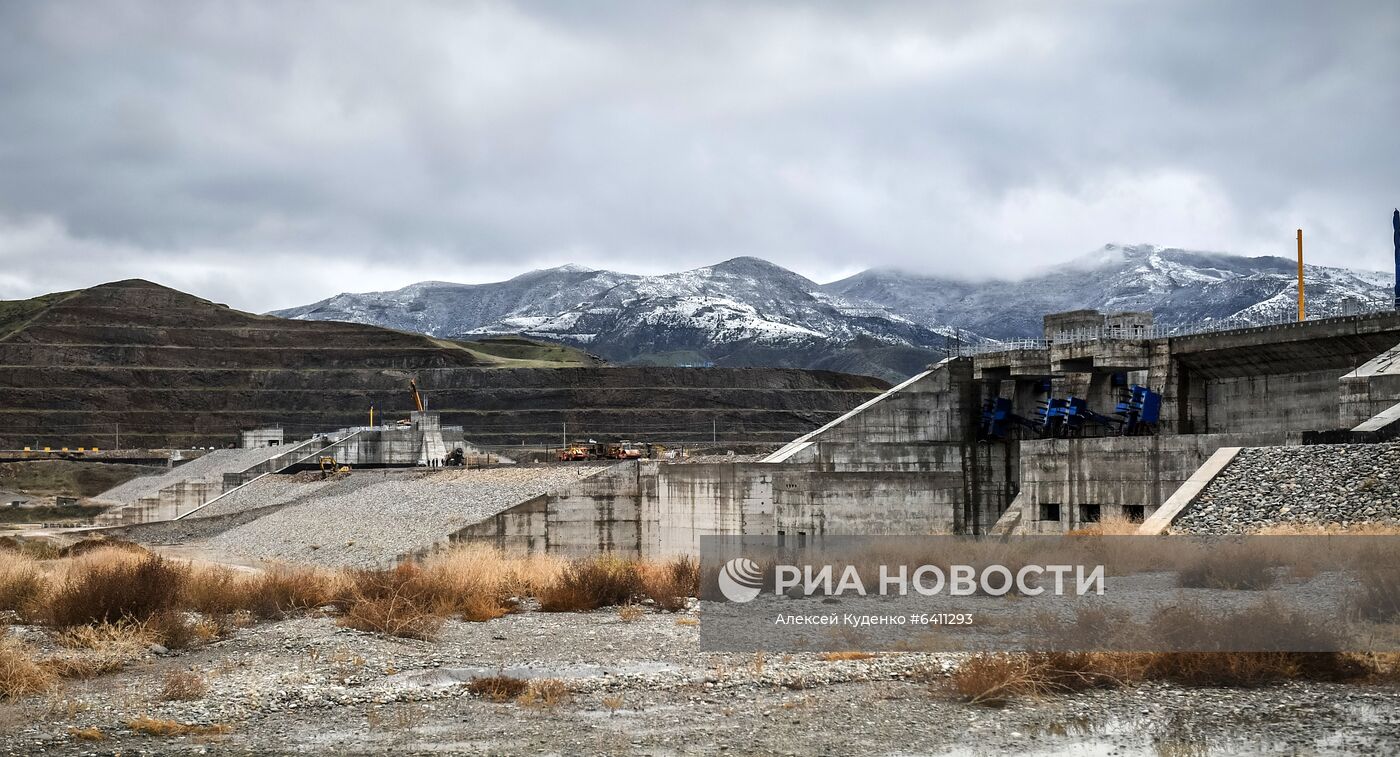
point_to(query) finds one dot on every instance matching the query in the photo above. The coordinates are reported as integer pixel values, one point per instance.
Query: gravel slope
(370, 518)
(208, 467)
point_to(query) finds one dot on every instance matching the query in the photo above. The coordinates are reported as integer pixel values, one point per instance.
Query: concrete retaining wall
(1112, 473)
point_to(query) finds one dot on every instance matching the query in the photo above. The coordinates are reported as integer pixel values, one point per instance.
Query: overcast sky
(271, 154)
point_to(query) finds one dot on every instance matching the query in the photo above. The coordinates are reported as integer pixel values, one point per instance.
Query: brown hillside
(174, 369)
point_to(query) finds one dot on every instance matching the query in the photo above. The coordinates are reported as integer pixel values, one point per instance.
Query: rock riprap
(1329, 485)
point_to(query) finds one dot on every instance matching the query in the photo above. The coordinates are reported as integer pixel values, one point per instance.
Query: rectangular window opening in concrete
(1089, 513)
(1049, 511)
(1135, 513)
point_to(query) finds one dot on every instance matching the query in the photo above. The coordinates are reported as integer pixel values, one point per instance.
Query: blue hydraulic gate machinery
(1136, 414)
(1140, 411)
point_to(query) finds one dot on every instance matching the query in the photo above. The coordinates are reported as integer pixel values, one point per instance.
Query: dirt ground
(307, 685)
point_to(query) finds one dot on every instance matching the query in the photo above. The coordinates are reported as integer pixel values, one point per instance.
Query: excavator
(417, 401)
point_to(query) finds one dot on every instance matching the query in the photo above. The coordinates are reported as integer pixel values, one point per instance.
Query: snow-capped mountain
(741, 312)
(749, 312)
(1182, 288)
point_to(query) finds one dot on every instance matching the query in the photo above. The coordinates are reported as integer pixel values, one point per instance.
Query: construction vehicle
(417, 398)
(576, 451)
(625, 450)
(329, 466)
(457, 457)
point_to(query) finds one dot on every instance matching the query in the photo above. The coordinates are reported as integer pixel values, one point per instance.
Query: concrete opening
(1135, 513)
(1049, 511)
(1089, 513)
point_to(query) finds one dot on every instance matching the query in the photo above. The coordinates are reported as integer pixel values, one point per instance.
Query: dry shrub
(497, 688)
(20, 674)
(22, 583)
(183, 686)
(687, 622)
(87, 734)
(671, 584)
(840, 656)
(479, 582)
(281, 590)
(544, 692)
(590, 583)
(993, 679)
(1252, 668)
(100, 589)
(87, 546)
(172, 629)
(161, 727)
(630, 613)
(1377, 595)
(400, 602)
(40, 549)
(271, 594)
(1238, 568)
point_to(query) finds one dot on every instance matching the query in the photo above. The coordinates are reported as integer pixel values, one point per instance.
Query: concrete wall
(599, 513)
(1112, 472)
(1295, 401)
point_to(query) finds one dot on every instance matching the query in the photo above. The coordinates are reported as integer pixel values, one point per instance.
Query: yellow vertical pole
(371, 416)
(1301, 312)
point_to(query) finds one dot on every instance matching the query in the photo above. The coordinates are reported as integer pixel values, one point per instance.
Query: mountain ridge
(747, 311)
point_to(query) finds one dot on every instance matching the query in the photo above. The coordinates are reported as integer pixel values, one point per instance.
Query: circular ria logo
(740, 580)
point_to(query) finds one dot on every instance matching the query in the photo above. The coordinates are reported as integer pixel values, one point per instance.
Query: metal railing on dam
(1159, 331)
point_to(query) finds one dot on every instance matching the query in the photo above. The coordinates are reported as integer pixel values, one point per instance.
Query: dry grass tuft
(544, 692)
(183, 686)
(22, 583)
(1113, 525)
(839, 656)
(87, 734)
(20, 674)
(100, 649)
(630, 613)
(498, 688)
(160, 727)
(1235, 569)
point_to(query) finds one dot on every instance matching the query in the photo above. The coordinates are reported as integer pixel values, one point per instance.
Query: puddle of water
(451, 676)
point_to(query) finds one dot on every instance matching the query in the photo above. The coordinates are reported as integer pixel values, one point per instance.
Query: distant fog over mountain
(749, 312)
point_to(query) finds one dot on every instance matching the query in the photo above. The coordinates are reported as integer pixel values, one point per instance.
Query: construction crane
(417, 398)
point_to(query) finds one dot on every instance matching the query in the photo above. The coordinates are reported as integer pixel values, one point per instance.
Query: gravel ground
(1324, 484)
(208, 467)
(373, 517)
(643, 687)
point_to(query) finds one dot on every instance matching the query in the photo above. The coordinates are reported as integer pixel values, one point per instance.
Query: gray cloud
(270, 154)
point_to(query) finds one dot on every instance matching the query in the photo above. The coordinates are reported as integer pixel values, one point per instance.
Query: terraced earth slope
(176, 370)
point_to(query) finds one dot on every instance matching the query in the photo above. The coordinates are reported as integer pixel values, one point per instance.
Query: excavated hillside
(175, 370)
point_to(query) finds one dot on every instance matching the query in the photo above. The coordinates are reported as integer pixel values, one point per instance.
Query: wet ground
(642, 687)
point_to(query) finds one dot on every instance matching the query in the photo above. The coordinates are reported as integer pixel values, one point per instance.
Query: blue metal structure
(1061, 417)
